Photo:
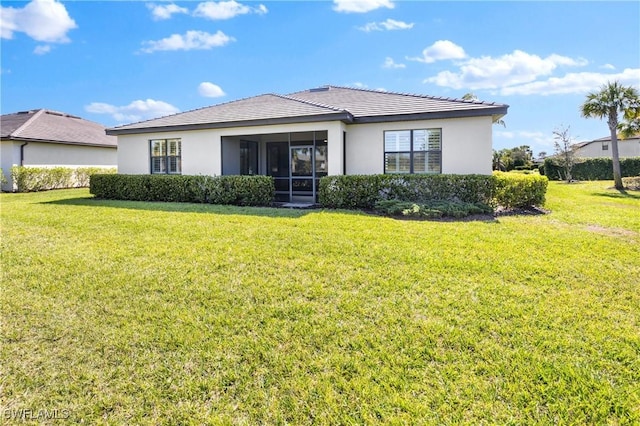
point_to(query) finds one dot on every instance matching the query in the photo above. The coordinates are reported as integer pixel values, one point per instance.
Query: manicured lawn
(151, 313)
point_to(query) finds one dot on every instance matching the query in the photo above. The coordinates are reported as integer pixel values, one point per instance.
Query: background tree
(612, 100)
(508, 159)
(565, 151)
(497, 163)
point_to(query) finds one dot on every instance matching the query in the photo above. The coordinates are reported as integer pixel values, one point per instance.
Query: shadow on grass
(620, 194)
(273, 212)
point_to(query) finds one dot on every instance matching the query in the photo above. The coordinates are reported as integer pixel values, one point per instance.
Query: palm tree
(470, 96)
(611, 100)
(630, 127)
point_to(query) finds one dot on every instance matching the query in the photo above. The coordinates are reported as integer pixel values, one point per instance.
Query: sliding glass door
(298, 165)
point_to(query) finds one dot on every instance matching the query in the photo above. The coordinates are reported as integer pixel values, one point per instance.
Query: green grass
(152, 313)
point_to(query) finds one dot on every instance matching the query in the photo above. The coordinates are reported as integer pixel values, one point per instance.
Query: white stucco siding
(202, 149)
(45, 154)
(9, 157)
(466, 144)
(51, 155)
(626, 148)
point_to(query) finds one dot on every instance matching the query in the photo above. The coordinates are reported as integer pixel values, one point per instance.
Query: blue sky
(119, 62)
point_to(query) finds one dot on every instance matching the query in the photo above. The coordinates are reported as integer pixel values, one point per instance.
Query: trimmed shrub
(364, 191)
(81, 175)
(32, 179)
(632, 183)
(519, 190)
(432, 209)
(237, 190)
(3, 178)
(592, 168)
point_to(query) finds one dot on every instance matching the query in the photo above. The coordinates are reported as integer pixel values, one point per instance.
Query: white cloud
(439, 51)
(525, 137)
(511, 69)
(41, 50)
(42, 20)
(388, 25)
(389, 63)
(573, 83)
(360, 6)
(608, 67)
(210, 90)
(135, 111)
(161, 12)
(191, 40)
(226, 10)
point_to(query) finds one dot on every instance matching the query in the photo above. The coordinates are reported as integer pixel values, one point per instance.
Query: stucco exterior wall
(9, 157)
(626, 148)
(43, 154)
(49, 155)
(466, 144)
(202, 149)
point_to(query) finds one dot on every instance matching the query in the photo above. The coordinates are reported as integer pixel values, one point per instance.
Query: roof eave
(494, 112)
(338, 116)
(19, 139)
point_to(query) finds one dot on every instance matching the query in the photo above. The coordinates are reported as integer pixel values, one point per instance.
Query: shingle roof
(326, 103)
(256, 110)
(50, 126)
(607, 139)
(364, 103)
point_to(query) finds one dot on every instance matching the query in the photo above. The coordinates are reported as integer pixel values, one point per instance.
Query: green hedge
(31, 179)
(364, 191)
(593, 168)
(432, 209)
(350, 192)
(519, 190)
(237, 190)
(3, 178)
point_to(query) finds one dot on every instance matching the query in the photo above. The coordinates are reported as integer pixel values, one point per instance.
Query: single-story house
(44, 138)
(300, 137)
(601, 148)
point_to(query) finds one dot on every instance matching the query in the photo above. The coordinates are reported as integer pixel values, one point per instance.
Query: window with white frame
(413, 151)
(166, 156)
(605, 146)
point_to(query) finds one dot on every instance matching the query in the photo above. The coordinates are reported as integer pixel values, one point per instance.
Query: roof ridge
(318, 104)
(27, 123)
(415, 95)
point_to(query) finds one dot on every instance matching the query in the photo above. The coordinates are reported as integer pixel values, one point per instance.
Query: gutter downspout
(22, 153)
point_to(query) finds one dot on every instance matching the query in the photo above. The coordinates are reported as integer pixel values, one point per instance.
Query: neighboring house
(300, 137)
(601, 148)
(43, 138)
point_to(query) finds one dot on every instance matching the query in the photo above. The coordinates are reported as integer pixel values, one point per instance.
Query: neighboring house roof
(606, 139)
(42, 125)
(321, 104)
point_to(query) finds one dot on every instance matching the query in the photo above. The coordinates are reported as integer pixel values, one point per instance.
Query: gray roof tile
(268, 107)
(370, 103)
(326, 103)
(51, 126)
